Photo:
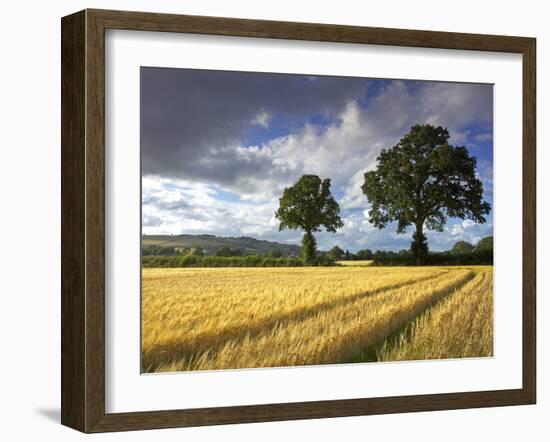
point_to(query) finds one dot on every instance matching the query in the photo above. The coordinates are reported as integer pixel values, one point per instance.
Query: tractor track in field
(213, 342)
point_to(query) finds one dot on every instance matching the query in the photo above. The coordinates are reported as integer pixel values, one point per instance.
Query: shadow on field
(370, 353)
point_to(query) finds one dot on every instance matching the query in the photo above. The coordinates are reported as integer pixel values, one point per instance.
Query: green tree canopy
(228, 251)
(197, 251)
(308, 205)
(336, 253)
(484, 244)
(462, 248)
(275, 253)
(365, 254)
(421, 181)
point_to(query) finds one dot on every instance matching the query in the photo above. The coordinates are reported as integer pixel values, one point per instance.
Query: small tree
(336, 253)
(275, 253)
(166, 251)
(197, 251)
(228, 251)
(485, 245)
(462, 248)
(421, 181)
(309, 205)
(365, 254)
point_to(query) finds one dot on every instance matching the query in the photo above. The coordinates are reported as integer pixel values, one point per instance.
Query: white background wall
(30, 217)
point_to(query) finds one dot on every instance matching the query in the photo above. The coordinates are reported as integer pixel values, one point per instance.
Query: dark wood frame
(83, 217)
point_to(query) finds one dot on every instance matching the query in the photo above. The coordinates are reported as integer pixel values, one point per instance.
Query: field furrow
(460, 326)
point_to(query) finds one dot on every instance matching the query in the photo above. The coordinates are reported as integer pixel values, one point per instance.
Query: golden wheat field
(222, 318)
(359, 263)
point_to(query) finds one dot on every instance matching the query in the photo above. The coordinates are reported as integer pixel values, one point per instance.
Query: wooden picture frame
(83, 220)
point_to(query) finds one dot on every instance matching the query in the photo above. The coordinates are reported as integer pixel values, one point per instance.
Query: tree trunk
(419, 246)
(309, 247)
(420, 229)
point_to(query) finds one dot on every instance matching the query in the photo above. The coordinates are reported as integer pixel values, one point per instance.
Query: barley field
(359, 263)
(224, 318)
(461, 326)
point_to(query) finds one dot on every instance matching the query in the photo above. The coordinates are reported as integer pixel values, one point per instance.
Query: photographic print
(297, 220)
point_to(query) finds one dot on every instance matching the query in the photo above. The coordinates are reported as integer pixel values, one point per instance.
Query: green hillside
(211, 243)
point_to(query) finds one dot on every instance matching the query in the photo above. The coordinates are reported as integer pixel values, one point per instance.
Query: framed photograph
(269, 220)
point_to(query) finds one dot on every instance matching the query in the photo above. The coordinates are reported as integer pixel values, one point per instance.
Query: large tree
(421, 181)
(309, 205)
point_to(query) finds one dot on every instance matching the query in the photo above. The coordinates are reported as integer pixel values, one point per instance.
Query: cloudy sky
(218, 148)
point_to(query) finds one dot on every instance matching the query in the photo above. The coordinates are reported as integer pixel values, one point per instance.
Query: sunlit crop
(461, 326)
(220, 318)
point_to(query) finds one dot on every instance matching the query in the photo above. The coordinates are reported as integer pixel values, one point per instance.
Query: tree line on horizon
(336, 253)
(461, 247)
(462, 253)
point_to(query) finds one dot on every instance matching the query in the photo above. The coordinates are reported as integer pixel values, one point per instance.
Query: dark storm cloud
(186, 113)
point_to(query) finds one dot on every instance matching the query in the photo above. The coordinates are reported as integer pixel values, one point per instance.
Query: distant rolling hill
(210, 243)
